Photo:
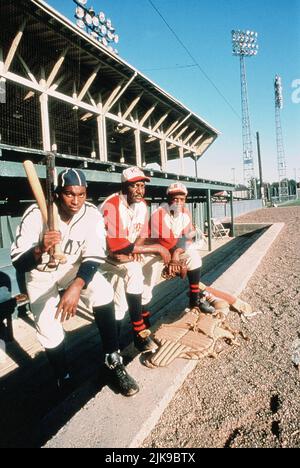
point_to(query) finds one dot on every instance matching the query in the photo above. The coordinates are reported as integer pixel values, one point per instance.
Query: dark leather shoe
(144, 343)
(123, 382)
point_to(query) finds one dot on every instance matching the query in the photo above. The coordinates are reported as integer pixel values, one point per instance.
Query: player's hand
(165, 255)
(69, 302)
(174, 268)
(137, 257)
(50, 239)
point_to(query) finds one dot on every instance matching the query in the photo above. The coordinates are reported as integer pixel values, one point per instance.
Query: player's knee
(134, 270)
(194, 262)
(51, 337)
(102, 296)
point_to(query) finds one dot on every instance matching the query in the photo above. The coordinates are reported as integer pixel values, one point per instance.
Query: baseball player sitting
(82, 238)
(127, 225)
(172, 227)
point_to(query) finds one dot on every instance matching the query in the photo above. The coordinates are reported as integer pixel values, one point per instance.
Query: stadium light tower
(281, 161)
(97, 25)
(245, 45)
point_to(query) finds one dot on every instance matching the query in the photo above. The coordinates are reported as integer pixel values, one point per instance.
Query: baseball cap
(71, 177)
(177, 188)
(134, 174)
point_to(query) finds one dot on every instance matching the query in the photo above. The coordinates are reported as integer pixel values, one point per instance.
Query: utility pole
(196, 165)
(262, 190)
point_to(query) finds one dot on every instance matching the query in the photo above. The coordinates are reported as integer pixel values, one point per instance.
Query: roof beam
(147, 115)
(196, 141)
(160, 122)
(57, 83)
(203, 147)
(86, 116)
(185, 142)
(171, 128)
(113, 100)
(27, 69)
(181, 133)
(14, 47)
(57, 67)
(112, 96)
(132, 106)
(88, 84)
(150, 140)
(179, 125)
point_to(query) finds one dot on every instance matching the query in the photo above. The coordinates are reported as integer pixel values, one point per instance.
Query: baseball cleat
(144, 343)
(123, 382)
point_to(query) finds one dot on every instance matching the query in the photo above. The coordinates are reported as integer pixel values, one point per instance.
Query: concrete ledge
(111, 421)
(246, 228)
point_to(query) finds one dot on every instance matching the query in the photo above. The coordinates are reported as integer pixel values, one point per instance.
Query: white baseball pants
(43, 291)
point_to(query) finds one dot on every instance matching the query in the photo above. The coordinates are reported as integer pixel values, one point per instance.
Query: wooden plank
(57, 67)
(132, 106)
(14, 47)
(88, 84)
(147, 115)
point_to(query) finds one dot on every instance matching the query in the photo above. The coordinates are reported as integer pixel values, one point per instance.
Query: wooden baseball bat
(36, 188)
(53, 223)
(39, 195)
(236, 303)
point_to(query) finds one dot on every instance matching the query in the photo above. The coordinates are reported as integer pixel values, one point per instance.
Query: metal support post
(208, 214)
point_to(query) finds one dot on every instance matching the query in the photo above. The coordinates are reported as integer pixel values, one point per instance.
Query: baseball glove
(194, 336)
(175, 269)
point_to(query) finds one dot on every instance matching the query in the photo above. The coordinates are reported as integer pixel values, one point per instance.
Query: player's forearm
(86, 273)
(79, 284)
(147, 249)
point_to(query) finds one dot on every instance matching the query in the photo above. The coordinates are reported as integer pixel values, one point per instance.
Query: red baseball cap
(134, 174)
(177, 188)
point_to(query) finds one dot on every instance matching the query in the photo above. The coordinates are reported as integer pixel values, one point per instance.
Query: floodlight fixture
(96, 21)
(97, 25)
(110, 35)
(102, 17)
(244, 42)
(278, 92)
(81, 24)
(88, 19)
(80, 13)
(103, 30)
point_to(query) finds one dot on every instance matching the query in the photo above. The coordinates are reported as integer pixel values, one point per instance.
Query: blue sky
(205, 29)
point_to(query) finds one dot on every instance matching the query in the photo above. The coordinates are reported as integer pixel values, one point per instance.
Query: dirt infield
(249, 396)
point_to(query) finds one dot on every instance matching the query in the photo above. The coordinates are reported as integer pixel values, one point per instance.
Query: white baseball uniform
(83, 242)
(124, 224)
(172, 230)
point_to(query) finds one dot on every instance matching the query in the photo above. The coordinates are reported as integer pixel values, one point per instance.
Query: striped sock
(194, 294)
(134, 302)
(146, 316)
(138, 327)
